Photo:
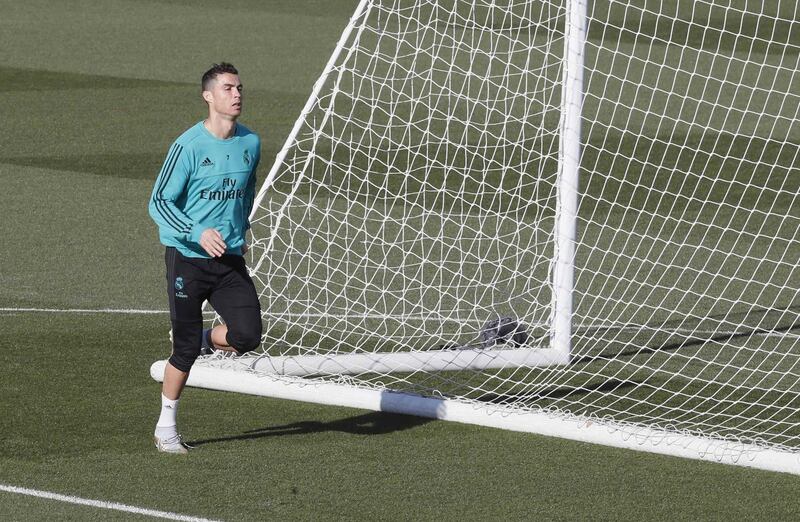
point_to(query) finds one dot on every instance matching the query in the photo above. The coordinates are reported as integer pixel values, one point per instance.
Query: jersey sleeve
(250, 193)
(171, 185)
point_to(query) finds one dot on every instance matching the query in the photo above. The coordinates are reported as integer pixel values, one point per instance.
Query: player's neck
(222, 128)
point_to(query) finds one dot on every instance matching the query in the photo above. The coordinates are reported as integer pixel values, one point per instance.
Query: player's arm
(171, 185)
(249, 199)
(250, 193)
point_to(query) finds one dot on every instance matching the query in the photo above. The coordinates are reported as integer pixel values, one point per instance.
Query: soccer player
(201, 202)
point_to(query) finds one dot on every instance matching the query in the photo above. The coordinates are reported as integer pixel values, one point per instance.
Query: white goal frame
(558, 351)
(217, 375)
(282, 376)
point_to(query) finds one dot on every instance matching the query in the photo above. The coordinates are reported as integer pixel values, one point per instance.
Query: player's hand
(212, 242)
(245, 247)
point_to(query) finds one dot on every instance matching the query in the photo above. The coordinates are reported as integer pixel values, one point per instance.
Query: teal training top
(206, 182)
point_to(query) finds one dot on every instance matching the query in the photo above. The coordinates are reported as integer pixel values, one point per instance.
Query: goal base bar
(399, 362)
(581, 429)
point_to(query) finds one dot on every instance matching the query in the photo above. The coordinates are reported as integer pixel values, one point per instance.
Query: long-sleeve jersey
(206, 182)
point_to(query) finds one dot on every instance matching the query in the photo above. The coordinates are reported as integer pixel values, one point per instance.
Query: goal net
(467, 175)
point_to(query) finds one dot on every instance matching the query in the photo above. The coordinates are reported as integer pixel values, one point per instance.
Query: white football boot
(172, 444)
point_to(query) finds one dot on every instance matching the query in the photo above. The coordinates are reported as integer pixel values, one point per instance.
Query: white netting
(417, 202)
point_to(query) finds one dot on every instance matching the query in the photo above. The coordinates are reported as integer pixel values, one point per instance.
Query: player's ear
(207, 96)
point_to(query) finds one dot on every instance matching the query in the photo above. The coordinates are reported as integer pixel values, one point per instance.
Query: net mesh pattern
(418, 200)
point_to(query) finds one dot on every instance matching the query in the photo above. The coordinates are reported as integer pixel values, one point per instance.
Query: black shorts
(223, 282)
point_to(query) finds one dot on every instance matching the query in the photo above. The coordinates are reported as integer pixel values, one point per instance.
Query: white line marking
(101, 504)
(132, 311)
(211, 312)
(85, 310)
(291, 315)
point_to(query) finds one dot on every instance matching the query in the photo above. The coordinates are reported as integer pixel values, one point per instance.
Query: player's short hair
(216, 69)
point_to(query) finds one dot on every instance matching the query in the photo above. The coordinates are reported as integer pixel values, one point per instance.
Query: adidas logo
(206, 163)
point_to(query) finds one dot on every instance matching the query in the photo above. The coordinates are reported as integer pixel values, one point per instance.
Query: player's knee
(182, 361)
(246, 339)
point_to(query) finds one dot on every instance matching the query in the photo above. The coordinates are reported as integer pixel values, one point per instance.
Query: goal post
(569, 158)
(565, 217)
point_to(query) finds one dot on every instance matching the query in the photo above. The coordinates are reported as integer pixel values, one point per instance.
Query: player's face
(226, 95)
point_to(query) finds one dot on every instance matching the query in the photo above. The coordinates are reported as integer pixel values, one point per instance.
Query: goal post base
(554, 424)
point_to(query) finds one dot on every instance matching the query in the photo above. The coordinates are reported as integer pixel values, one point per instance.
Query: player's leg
(236, 301)
(174, 382)
(217, 338)
(187, 287)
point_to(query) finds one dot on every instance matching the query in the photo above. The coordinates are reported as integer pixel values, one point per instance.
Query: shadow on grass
(121, 165)
(753, 322)
(560, 392)
(374, 423)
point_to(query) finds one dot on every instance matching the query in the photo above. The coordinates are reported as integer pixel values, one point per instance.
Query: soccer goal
(573, 218)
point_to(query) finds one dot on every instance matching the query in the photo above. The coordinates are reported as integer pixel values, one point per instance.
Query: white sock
(167, 422)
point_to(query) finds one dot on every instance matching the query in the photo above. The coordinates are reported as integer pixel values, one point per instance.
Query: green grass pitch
(91, 95)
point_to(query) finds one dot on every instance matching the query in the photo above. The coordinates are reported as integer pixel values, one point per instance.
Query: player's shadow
(374, 423)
